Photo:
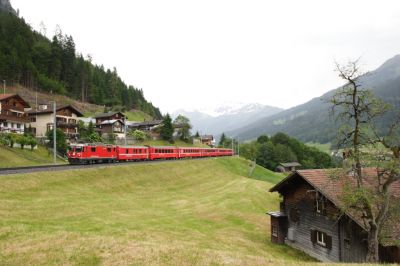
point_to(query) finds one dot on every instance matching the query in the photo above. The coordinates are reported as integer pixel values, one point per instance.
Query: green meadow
(191, 212)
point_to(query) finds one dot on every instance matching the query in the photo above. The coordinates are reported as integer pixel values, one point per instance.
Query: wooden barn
(310, 220)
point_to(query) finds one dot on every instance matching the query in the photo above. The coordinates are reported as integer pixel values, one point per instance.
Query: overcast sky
(196, 54)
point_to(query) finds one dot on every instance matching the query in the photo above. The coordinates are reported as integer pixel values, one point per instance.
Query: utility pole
(4, 86)
(125, 131)
(233, 146)
(54, 132)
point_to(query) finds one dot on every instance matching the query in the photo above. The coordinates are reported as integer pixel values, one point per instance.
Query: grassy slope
(15, 157)
(322, 147)
(176, 213)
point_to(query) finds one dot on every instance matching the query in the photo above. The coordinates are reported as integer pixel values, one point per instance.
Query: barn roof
(112, 121)
(47, 111)
(326, 182)
(146, 123)
(103, 115)
(292, 164)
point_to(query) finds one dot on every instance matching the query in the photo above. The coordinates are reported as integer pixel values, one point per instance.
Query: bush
(138, 135)
(31, 141)
(12, 138)
(22, 140)
(61, 140)
(93, 137)
(4, 139)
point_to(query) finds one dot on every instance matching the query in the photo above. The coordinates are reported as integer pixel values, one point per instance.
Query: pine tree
(167, 129)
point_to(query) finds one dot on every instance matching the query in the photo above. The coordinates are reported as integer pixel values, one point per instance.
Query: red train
(103, 153)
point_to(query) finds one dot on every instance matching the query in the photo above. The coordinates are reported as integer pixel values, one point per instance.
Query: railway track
(63, 167)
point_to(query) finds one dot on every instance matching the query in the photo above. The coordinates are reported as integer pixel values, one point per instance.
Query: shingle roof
(6, 96)
(147, 123)
(112, 121)
(77, 112)
(292, 164)
(327, 183)
(108, 114)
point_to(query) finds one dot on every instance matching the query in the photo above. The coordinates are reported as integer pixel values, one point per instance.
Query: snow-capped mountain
(227, 117)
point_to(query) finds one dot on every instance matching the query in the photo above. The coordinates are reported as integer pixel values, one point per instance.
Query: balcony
(66, 123)
(7, 115)
(11, 107)
(11, 130)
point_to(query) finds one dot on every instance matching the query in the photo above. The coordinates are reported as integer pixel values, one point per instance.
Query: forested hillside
(32, 60)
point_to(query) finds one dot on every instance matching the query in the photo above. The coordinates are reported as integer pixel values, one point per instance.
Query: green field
(15, 157)
(322, 147)
(202, 212)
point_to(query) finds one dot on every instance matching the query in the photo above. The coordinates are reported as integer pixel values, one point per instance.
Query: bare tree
(359, 110)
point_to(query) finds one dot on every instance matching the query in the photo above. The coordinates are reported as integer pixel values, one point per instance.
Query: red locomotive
(104, 153)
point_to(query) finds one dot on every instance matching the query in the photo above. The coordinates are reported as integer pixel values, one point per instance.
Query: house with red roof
(311, 218)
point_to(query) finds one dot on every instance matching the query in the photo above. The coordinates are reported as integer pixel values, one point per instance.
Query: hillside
(15, 157)
(311, 122)
(88, 109)
(171, 213)
(227, 118)
(29, 58)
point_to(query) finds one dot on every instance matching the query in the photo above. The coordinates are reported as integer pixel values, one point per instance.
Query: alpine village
(93, 173)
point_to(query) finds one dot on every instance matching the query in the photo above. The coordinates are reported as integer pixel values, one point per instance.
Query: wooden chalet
(42, 120)
(13, 113)
(109, 116)
(150, 127)
(310, 219)
(111, 123)
(208, 140)
(288, 167)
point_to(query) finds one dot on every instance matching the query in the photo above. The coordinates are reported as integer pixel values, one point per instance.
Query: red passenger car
(190, 152)
(132, 153)
(166, 152)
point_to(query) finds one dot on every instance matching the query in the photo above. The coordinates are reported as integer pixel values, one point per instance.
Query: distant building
(13, 113)
(287, 167)
(310, 218)
(42, 120)
(111, 123)
(208, 140)
(150, 127)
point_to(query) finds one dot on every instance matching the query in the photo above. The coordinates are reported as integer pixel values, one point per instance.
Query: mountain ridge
(311, 121)
(227, 118)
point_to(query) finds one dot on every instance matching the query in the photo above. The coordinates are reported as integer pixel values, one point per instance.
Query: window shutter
(313, 236)
(324, 208)
(328, 241)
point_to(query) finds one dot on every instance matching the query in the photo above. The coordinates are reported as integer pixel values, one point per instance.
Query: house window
(274, 231)
(5, 124)
(320, 204)
(33, 119)
(18, 125)
(321, 238)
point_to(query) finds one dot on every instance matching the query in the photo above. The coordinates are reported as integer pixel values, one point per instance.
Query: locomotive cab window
(78, 149)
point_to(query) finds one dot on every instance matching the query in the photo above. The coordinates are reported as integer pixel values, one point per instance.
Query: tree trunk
(373, 245)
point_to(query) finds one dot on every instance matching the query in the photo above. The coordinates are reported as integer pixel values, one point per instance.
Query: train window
(108, 149)
(78, 149)
(93, 149)
(127, 150)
